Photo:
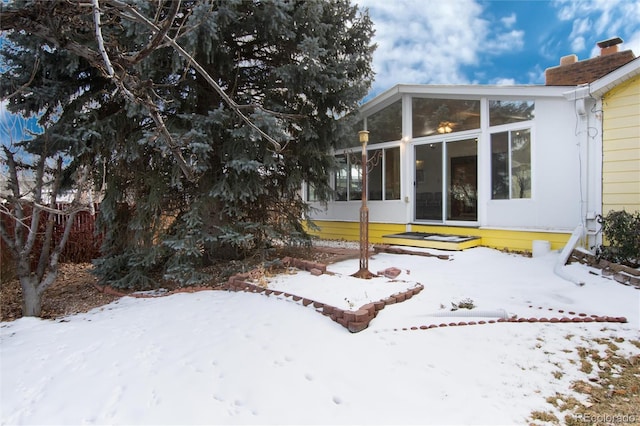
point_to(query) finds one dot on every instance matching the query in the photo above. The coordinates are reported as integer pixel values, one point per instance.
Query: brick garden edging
(354, 321)
(358, 320)
(620, 273)
(574, 318)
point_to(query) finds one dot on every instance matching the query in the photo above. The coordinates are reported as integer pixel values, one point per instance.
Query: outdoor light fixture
(364, 137)
(363, 272)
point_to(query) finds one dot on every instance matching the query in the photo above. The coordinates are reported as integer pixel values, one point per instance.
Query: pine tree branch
(133, 15)
(98, 29)
(19, 90)
(173, 147)
(160, 35)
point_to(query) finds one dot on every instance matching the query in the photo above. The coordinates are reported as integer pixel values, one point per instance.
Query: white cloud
(633, 43)
(509, 21)
(578, 44)
(536, 75)
(506, 42)
(631, 26)
(598, 20)
(463, 41)
(430, 42)
(504, 82)
(581, 26)
(418, 44)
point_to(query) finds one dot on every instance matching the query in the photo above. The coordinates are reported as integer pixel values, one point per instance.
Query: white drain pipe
(466, 313)
(559, 268)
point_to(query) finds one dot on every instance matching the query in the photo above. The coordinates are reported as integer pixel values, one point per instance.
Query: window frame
(383, 172)
(509, 129)
(349, 153)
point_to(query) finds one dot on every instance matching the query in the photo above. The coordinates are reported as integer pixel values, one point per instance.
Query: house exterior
(509, 165)
(618, 95)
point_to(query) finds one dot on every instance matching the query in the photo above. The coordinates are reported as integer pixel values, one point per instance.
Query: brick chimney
(607, 47)
(572, 72)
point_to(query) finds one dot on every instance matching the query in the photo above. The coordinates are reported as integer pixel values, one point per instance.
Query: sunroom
(505, 165)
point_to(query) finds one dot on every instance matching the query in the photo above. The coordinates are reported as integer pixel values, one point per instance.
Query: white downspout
(579, 97)
(588, 168)
(559, 268)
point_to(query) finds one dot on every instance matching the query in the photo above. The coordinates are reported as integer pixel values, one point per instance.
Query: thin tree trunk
(31, 297)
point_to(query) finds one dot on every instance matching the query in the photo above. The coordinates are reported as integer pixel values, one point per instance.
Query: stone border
(620, 273)
(575, 318)
(354, 321)
(358, 320)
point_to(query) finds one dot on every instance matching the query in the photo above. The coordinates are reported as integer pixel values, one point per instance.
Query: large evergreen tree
(201, 118)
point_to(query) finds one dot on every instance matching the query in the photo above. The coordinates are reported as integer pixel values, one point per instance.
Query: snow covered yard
(217, 357)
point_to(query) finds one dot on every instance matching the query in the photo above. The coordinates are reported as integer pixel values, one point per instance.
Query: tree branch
(27, 84)
(160, 35)
(175, 150)
(48, 233)
(135, 16)
(14, 186)
(52, 268)
(101, 49)
(35, 212)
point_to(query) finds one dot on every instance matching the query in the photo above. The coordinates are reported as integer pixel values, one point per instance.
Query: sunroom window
(386, 124)
(443, 116)
(504, 112)
(384, 174)
(351, 140)
(511, 164)
(311, 193)
(383, 180)
(348, 178)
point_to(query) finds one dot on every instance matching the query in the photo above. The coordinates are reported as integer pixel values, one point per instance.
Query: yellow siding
(350, 231)
(615, 99)
(501, 239)
(630, 201)
(614, 145)
(623, 155)
(621, 122)
(620, 188)
(521, 241)
(622, 133)
(615, 176)
(623, 95)
(621, 166)
(621, 148)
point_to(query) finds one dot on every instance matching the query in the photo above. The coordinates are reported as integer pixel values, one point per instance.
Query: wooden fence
(83, 244)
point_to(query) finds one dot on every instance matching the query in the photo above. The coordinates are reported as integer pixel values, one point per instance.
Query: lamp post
(363, 135)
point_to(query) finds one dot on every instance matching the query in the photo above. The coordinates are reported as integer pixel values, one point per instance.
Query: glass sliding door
(428, 182)
(446, 181)
(462, 180)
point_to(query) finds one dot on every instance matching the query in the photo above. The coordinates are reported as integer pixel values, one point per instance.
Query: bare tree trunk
(31, 297)
(34, 281)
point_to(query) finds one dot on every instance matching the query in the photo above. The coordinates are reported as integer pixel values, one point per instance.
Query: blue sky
(491, 42)
(484, 42)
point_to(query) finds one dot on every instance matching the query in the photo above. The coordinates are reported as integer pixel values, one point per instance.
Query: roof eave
(604, 84)
(461, 91)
